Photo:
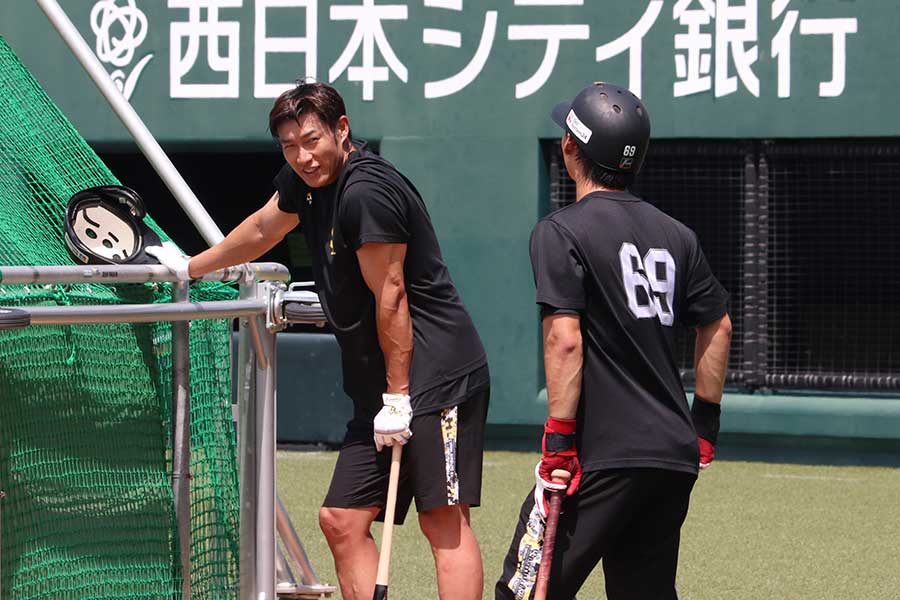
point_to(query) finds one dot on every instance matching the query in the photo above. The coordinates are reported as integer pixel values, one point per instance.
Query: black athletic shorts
(630, 518)
(441, 464)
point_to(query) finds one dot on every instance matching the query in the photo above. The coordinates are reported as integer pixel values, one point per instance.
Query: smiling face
(315, 152)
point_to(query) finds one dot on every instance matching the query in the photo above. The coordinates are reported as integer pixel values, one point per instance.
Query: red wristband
(564, 426)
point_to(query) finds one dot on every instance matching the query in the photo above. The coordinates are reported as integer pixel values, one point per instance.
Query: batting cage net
(803, 236)
(85, 410)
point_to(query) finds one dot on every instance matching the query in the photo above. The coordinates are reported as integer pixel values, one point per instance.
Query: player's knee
(442, 526)
(337, 525)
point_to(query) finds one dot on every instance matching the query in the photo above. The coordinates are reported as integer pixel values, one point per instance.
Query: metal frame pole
(265, 410)
(181, 435)
(2, 496)
(110, 274)
(256, 442)
(247, 451)
(129, 117)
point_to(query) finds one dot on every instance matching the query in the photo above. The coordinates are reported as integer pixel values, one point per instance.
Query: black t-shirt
(373, 202)
(633, 274)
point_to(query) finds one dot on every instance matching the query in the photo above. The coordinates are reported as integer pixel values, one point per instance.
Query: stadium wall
(776, 70)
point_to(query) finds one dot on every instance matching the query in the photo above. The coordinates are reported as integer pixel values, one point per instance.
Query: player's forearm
(245, 243)
(563, 362)
(395, 336)
(711, 359)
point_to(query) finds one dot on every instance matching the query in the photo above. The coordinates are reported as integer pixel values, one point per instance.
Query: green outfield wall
(457, 95)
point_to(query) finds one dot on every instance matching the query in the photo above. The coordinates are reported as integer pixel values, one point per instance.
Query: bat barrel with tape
(387, 536)
(562, 477)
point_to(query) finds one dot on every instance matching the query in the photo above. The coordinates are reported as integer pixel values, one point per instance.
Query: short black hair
(307, 96)
(602, 176)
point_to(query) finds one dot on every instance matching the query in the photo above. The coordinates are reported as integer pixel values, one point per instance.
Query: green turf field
(755, 530)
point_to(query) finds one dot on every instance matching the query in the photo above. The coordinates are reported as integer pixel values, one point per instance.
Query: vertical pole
(256, 442)
(181, 435)
(2, 496)
(265, 421)
(247, 452)
(752, 288)
(762, 278)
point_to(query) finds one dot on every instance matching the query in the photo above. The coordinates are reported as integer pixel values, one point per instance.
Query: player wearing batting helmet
(413, 363)
(615, 277)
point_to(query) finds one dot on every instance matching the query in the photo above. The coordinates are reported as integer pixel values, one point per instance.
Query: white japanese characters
(443, 37)
(185, 39)
(716, 46)
(368, 35)
(693, 48)
(553, 35)
(302, 45)
(838, 29)
(736, 38)
(633, 43)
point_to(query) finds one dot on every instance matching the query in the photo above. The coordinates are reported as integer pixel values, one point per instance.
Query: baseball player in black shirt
(615, 277)
(412, 361)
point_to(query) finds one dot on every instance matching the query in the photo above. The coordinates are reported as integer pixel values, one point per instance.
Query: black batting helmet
(610, 124)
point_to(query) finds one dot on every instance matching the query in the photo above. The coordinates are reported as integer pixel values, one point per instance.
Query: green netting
(85, 414)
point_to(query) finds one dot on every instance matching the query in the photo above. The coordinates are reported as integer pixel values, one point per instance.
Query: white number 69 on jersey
(658, 285)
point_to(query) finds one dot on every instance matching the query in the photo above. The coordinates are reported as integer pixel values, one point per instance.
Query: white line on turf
(812, 477)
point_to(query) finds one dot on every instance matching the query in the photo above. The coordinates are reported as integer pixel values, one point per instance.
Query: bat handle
(387, 537)
(561, 477)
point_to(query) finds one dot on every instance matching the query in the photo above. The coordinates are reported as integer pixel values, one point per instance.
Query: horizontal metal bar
(841, 381)
(732, 376)
(111, 274)
(145, 313)
(810, 380)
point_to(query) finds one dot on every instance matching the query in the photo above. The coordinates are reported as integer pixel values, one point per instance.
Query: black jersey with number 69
(633, 274)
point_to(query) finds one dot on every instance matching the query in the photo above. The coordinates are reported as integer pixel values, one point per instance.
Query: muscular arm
(711, 358)
(382, 268)
(563, 360)
(257, 234)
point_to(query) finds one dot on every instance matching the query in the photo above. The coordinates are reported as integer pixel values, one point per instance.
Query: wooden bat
(540, 589)
(387, 537)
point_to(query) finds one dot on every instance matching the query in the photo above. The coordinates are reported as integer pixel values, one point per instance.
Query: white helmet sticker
(105, 233)
(578, 129)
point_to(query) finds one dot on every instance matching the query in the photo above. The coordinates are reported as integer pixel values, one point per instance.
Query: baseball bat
(540, 590)
(387, 537)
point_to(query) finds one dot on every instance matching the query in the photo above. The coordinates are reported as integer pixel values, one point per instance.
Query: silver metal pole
(247, 452)
(265, 422)
(2, 496)
(256, 444)
(112, 274)
(142, 136)
(181, 435)
(294, 546)
(144, 313)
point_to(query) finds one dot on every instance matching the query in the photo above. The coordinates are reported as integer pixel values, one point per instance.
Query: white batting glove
(541, 485)
(392, 421)
(170, 256)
